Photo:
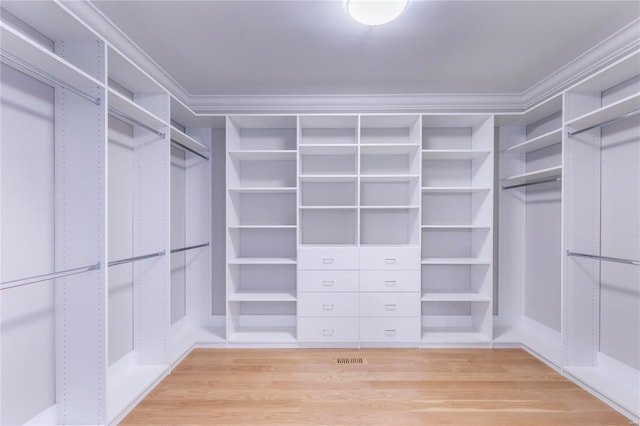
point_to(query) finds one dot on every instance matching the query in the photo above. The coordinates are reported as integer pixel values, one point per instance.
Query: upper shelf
(609, 112)
(188, 142)
(134, 111)
(264, 155)
(452, 154)
(16, 44)
(542, 141)
(534, 176)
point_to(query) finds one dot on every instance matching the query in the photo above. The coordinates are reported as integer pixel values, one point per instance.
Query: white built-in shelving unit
(457, 230)
(262, 229)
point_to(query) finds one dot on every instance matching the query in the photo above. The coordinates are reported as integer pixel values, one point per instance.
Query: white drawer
(390, 329)
(328, 329)
(389, 304)
(328, 281)
(407, 258)
(328, 258)
(390, 281)
(328, 304)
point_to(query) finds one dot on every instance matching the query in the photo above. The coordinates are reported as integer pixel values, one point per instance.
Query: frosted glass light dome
(375, 12)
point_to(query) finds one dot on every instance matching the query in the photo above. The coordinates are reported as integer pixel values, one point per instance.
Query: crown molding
(601, 55)
(87, 12)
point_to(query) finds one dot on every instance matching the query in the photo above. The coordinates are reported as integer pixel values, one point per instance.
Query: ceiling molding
(603, 54)
(105, 28)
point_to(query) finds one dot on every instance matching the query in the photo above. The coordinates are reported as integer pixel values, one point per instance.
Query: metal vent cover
(350, 360)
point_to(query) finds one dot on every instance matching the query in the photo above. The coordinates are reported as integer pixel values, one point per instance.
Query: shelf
(262, 227)
(182, 342)
(389, 207)
(609, 77)
(256, 296)
(383, 149)
(328, 149)
(128, 383)
(186, 140)
(543, 141)
(534, 176)
(135, 111)
(328, 178)
(263, 335)
(263, 261)
(454, 261)
(21, 47)
(444, 227)
(454, 189)
(609, 112)
(266, 155)
(444, 335)
(265, 190)
(328, 207)
(388, 178)
(452, 154)
(454, 297)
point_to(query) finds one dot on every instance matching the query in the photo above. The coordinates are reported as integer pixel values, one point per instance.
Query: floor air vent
(350, 361)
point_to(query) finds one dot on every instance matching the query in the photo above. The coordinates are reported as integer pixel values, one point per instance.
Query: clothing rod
(186, 148)
(136, 258)
(605, 258)
(189, 248)
(126, 117)
(605, 123)
(49, 77)
(54, 275)
(555, 179)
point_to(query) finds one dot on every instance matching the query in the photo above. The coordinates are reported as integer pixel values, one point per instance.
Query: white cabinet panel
(328, 281)
(390, 329)
(407, 258)
(327, 258)
(390, 304)
(328, 304)
(390, 281)
(328, 329)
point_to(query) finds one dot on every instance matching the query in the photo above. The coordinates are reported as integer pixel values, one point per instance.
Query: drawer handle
(327, 261)
(390, 283)
(327, 283)
(390, 306)
(327, 331)
(390, 332)
(327, 307)
(390, 260)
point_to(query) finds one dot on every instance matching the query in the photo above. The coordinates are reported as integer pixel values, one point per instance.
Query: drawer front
(328, 329)
(389, 304)
(328, 281)
(328, 304)
(328, 258)
(390, 329)
(390, 281)
(407, 258)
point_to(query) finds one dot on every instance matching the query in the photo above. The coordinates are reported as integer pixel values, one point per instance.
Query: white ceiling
(312, 47)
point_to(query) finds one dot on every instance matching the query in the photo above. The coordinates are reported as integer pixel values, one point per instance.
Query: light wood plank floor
(399, 387)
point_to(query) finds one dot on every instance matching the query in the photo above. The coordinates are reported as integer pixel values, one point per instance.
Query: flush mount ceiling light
(375, 12)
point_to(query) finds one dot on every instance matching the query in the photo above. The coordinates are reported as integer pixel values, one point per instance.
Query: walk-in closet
(180, 181)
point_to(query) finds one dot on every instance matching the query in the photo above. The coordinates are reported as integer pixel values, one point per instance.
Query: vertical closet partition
(53, 225)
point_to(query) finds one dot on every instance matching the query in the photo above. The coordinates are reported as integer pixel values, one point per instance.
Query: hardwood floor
(399, 387)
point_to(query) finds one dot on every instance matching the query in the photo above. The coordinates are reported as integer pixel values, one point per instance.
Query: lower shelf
(256, 334)
(450, 335)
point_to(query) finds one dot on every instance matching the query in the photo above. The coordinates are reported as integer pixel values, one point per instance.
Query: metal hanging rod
(186, 148)
(45, 277)
(189, 248)
(45, 75)
(605, 123)
(605, 258)
(117, 112)
(136, 258)
(555, 179)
